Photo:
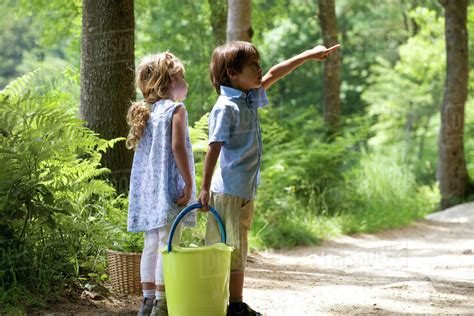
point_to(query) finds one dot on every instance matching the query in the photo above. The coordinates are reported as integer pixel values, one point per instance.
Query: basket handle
(189, 209)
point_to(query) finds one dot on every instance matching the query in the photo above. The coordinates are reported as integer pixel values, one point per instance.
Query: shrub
(52, 196)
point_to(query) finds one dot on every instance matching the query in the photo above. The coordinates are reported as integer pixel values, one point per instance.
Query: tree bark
(218, 20)
(332, 68)
(107, 78)
(452, 172)
(239, 20)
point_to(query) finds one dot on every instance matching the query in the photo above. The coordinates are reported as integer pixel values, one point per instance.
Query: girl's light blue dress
(155, 181)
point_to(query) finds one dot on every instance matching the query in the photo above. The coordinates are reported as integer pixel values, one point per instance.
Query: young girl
(162, 176)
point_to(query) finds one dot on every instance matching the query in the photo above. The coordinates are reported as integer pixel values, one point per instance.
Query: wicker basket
(124, 271)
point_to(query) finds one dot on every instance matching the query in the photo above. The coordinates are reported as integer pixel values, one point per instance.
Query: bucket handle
(189, 209)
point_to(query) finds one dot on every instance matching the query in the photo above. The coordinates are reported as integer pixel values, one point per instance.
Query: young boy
(235, 135)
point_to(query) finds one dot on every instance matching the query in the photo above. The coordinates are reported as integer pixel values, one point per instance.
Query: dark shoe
(241, 309)
(146, 307)
(160, 308)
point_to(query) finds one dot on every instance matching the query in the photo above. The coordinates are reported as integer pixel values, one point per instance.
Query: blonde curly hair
(153, 77)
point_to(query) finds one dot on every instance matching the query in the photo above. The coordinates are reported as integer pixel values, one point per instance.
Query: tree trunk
(107, 78)
(218, 20)
(239, 20)
(332, 68)
(452, 173)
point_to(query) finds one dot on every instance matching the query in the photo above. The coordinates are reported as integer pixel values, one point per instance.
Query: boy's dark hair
(232, 55)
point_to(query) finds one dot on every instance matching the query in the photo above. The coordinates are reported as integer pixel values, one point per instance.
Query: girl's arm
(210, 161)
(284, 68)
(178, 145)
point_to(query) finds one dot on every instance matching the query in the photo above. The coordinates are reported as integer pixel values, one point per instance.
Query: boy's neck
(235, 85)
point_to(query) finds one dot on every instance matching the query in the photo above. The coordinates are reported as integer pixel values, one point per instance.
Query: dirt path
(425, 268)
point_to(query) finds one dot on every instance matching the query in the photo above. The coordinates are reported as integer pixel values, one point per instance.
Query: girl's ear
(232, 73)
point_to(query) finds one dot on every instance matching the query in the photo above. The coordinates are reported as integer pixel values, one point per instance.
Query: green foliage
(385, 195)
(409, 121)
(198, 135)
(38, 34)
(52, 195)
(375, 193)
(195, 236)
(17, 38)
(184, 28)
(312, 189)
(281, 37)
(302, 175)
(469, 122)
(304, 163)
(113, 221)
(469, 137)
(57, 24)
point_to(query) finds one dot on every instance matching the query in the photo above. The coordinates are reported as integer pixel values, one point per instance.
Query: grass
(379, 194)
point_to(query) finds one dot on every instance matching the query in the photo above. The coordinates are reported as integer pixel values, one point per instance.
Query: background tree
(107, 77)
(332, 67)
(452, 172)
(218, 20)
(239, 20)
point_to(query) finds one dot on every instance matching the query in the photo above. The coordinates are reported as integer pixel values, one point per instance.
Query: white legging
(151, 264)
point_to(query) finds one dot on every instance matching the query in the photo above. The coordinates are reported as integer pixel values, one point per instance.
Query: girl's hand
(204, 200)
(185, 196)
(320, 52)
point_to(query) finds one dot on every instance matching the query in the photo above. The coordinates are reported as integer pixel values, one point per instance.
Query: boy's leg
(236, 286)
(237, 215)
(238, 268)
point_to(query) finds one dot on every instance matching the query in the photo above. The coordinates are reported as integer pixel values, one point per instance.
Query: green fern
(52, 189)
(198, 134)
(18, 88)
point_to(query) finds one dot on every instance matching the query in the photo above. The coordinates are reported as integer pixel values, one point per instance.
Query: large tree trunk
(107, 78)
(239, 20)
(452, 173)
(332, 68)
(218, 20)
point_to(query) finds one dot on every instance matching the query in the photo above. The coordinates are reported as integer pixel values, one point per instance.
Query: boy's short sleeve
(259, 97)
(220, 123)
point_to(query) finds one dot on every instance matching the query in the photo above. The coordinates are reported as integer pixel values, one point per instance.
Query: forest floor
(427, 267)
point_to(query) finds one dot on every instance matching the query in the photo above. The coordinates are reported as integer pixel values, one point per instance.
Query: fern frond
(19, 87)
(198, 134)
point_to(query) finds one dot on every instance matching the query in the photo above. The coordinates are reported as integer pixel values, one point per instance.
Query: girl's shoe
(241, 309)
(146, 307)
(159, 308)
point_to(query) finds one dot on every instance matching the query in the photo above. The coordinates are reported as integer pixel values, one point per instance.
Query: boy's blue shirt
(234, 121)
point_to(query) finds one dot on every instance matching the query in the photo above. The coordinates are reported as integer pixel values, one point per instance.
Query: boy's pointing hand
(320, 52)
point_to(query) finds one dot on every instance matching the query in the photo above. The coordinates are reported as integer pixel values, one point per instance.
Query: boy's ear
(232, 73)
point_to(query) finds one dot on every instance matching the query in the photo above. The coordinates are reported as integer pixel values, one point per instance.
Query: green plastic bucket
(197, 279)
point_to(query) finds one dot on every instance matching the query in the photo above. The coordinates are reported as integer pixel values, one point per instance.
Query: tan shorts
(237, 215)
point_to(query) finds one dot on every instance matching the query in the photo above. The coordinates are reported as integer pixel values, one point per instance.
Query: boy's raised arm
(284, 68)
